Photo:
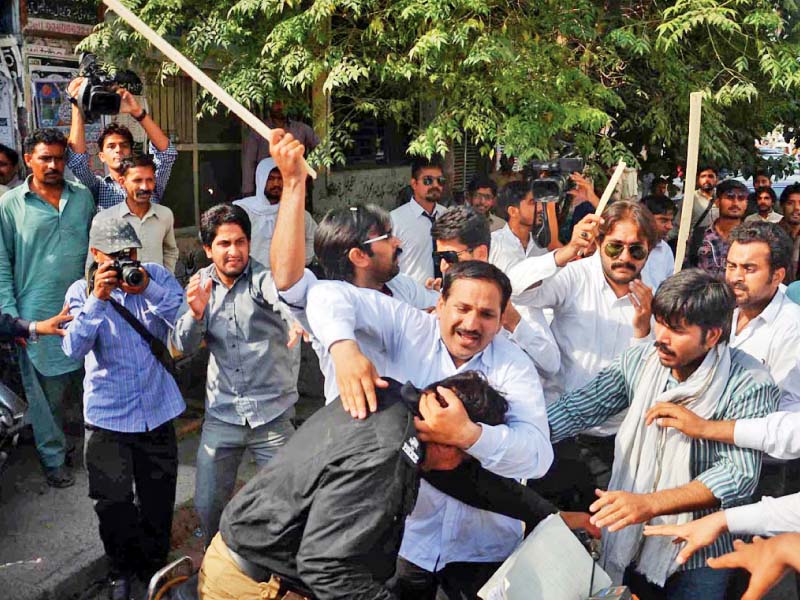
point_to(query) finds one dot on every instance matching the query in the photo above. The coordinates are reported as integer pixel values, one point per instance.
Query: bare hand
(52, 326)
(136, 289)
(641, 297)
(197, 295)
(356, 378)
(129, 104)
(617, 510)
(584, 189)
(288, 155)
(696, 534)
(434, 284)
(764, 559)
(583, 238)
(446, 422)
(74, 86)
(667, 414)
(297, 333)
(580, 520)
(105, 280)
(511, 317)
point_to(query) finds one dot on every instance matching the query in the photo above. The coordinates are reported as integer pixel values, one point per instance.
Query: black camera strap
(157, 347)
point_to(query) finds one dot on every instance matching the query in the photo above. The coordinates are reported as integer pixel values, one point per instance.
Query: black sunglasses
(429, 179)
(451, 257)
(614, 249)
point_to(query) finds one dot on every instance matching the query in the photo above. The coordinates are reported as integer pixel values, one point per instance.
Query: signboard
(74, 11)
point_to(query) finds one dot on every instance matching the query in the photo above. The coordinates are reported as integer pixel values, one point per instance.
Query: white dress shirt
(660, 265)
(156, 231)
(412, 226)
(406, 344)
(772, 217)
(402, 287)
(590, 324)
(778, 435)
(506, 250)
(264, 215)
(773, 338)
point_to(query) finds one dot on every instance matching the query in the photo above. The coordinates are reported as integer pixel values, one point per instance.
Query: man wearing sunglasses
(462, 234)
(412, 222)
(709, 246)
(600, 308)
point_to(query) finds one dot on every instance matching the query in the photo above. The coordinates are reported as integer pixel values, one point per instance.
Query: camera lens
(132, 276)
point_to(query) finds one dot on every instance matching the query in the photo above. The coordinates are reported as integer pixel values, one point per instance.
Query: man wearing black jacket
(325, 517)
(14, 327)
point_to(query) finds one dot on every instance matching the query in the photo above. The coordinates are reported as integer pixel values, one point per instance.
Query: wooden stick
(194, 72)
(695, 108)
(612, 185)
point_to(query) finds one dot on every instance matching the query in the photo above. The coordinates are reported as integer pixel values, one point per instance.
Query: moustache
(143, 194)
(663, 347)
(397, 253)
(463, 331)
(52, 172)
(627, 265)
(740, 286)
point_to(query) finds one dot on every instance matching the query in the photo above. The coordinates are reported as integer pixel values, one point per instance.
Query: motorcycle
(176, 581)
(12, 416)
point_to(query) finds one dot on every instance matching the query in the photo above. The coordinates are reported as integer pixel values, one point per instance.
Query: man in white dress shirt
(263, 212)
(660, 261)
(482, 196)
(766, 199)
(154, 223)
(600, 309)
(516, 242)
(446, 543)
(412, 221)
(462, 234)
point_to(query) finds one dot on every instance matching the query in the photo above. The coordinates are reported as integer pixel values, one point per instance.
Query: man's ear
(481, 253)
(358, 257)
(778, 275)
(713, 337)
(27, 158)
(207, 250)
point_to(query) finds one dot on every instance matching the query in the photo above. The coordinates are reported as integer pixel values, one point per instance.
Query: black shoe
(69, 455)
(59, 477)
(120, 588)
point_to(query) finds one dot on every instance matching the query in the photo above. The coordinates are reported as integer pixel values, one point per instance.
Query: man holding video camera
(123, 312)
(115, 143)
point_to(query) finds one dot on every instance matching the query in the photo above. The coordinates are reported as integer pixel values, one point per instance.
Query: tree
(609, 77)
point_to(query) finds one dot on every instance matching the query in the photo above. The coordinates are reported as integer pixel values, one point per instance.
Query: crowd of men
(474, 348)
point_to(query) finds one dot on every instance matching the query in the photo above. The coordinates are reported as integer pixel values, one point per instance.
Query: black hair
(131, 162)
(768, 190)
(707, 167)
(420, 162)
(477, 269)
(480, 181)
(47, 136)
(511, 194)
(788, 191)
(694, 297)
(730, 184)
(114, 129)
(343, 229)
(482, 402)
(659, 205)
(222, 214)
(11, 154)
(626, 210)
(779, 242)
(465, 224)
(760, 172)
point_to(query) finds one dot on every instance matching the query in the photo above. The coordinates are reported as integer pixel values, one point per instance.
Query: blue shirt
(126, 388)
(42, 251)
(108, 192)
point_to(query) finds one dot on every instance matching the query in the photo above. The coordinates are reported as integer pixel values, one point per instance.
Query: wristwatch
(141, 116)
(32, 335)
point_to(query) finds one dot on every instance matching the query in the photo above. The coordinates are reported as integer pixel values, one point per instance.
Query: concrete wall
(347, 187)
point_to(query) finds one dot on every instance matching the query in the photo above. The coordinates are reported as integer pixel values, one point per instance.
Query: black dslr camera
(128, 270)
(97, 96)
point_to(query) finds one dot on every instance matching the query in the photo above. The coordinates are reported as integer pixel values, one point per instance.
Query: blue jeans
(704, 583)
(218, 458)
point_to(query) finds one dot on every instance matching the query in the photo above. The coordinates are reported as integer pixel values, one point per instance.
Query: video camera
(556, 183)
(97, 96)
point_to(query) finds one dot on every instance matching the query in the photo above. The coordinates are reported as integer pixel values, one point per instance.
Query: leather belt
(276, 587)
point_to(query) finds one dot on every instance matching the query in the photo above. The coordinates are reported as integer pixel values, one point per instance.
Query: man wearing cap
(129, 401)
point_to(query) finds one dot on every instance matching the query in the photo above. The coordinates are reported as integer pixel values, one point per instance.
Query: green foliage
(610, 77)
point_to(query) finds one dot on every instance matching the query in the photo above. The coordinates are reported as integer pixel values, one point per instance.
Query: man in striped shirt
(663, 477)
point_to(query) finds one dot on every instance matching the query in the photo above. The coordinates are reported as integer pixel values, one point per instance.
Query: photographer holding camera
(123, 312)
(115, 143)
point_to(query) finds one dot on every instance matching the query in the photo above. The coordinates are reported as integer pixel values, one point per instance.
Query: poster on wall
(8, 128)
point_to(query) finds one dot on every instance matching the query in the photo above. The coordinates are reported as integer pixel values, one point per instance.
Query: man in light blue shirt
(44, 233)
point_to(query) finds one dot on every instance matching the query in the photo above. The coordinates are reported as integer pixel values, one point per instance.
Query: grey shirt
(251, 379)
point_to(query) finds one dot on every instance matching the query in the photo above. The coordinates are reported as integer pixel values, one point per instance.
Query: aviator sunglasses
(614, 249)
(429, 179)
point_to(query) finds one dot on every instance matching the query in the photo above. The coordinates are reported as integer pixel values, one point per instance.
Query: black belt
(252, 570)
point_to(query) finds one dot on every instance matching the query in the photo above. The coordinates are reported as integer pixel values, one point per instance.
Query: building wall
(360, 186)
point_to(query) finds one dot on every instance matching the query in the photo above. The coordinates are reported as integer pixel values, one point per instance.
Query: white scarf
(650, 459)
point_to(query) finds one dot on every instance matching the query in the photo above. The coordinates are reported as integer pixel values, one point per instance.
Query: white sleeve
(296, 297)
(534, 337)
(539, 283)
(777, 434)
(786, 374)
(521, 447)
(311, 228)
(771, 516)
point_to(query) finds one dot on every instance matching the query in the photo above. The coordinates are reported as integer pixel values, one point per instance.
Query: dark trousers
(457, 581)
(135, 530)
(581, 465)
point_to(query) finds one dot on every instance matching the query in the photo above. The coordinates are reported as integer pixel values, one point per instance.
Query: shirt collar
(65, 192)
(419, 211)
(151, 212)
(485, 356)
(770, 313)
(212, 272)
